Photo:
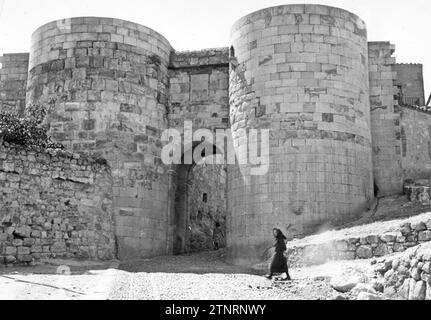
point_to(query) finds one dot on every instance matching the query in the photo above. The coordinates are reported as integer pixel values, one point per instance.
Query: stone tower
(300, 71)
(106, 81)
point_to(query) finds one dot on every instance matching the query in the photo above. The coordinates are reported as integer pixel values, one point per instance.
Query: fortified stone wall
(207, 205)
(305, 72)
(385, 121)
(13, 81)
(410, 80)
(54, 205)
(416, 144)
(199, 82)
(301, 71)
(107, 83)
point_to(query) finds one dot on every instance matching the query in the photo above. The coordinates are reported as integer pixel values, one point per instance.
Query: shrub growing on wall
(29, 130)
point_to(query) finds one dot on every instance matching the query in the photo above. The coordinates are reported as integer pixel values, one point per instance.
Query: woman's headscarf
(280, 235)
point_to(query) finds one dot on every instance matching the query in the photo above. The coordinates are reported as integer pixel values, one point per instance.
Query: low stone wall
(419, 191)
(409, 276)
(371, 245)
(54, 205)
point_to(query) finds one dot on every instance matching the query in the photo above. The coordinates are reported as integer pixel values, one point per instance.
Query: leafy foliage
(29, 130)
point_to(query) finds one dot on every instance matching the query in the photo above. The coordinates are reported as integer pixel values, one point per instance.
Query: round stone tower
(300, 71)
(106, 82)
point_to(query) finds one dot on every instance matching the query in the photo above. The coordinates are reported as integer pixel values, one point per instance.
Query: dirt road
(191, 277)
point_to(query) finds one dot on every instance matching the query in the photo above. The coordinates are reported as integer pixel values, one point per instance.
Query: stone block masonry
(13, 81)
(199, 89)
(411, 83)
(54, 205)
(106, 81)
(415, 143)
(301, 71)
(207, 206)
(385, 119)
(199, 82)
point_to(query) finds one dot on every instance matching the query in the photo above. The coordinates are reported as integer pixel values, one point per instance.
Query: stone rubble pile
(408, 235)
(409, 276)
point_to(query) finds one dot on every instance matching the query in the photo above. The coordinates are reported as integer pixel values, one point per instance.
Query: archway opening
(200, 204)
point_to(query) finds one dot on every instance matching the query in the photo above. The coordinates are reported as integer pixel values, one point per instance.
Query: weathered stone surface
(345, 283)
(296, 121)
(389, 237)
(364, 252)
(406, 229)
(391, 278)
(401, 239)
(51, 222)
(378, 286)
(353, 241)
(339, 298)
(342, 246)
(428, 294)
(13, 82)
(382, 268)
(415, 274)
(427, 267)
(405, 289)
(349, 255)
(23, 232)
(412, 286)
(398, 247)
(363, 287)
(23, 251)
(10, 259)
(395, 264)
(402, 270)
(420, 226)
(10, 251)
(366, 296)
(424, 236)
(419, 291)
(381, 250)
(207, 182)
(372, 239)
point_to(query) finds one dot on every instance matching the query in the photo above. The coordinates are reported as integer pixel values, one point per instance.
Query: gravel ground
(203, 276)
(206, 277)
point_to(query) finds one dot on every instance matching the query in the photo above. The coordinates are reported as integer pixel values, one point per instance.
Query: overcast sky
(198, 24)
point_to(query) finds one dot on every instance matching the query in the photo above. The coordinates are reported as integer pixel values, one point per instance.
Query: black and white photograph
(241, 153)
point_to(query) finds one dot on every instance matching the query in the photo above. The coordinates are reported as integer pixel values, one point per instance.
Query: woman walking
(217, 236)
(279, 261)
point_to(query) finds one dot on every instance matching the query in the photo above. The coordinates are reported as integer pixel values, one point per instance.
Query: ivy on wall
(28, 131)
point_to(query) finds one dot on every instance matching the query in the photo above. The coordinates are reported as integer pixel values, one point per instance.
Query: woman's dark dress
(279, 262)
